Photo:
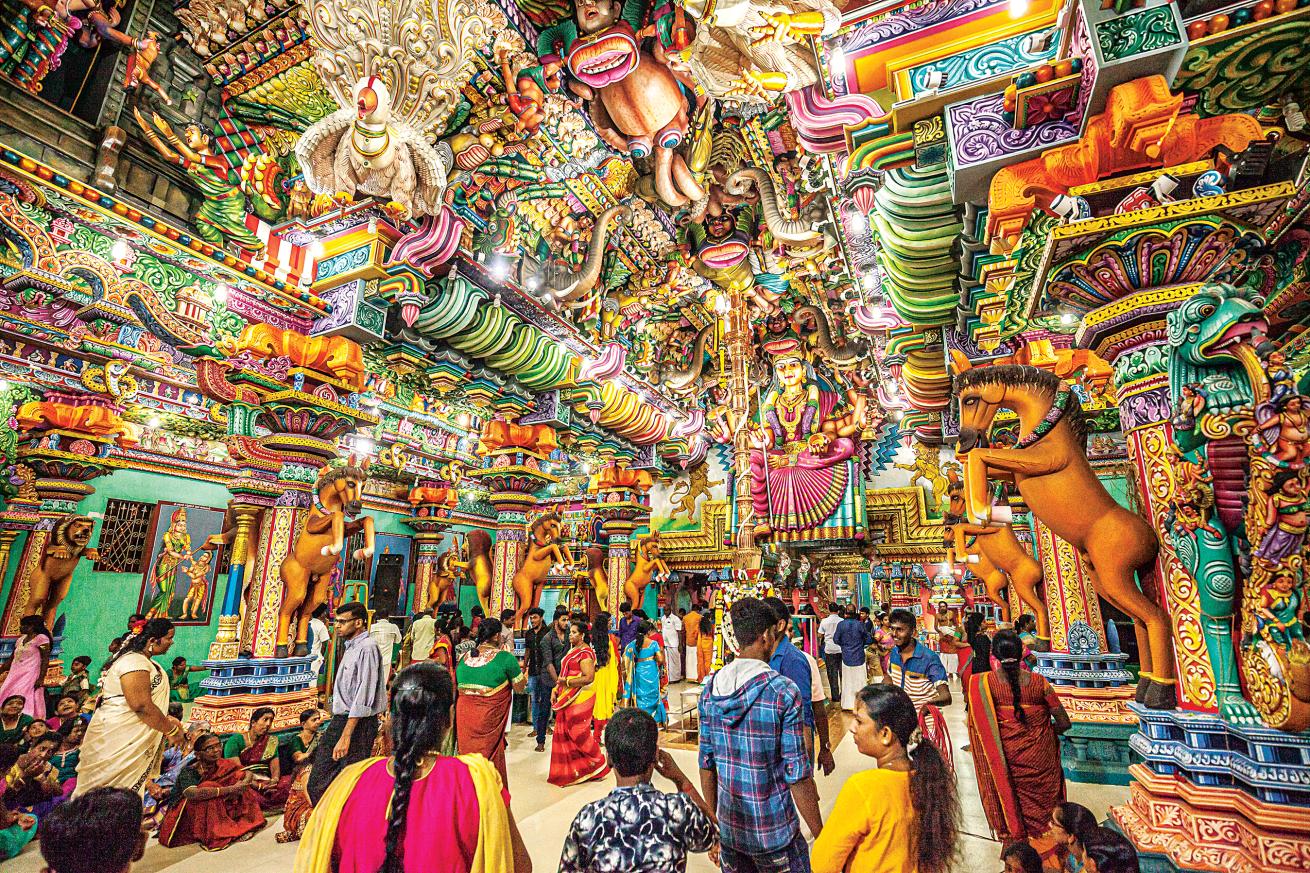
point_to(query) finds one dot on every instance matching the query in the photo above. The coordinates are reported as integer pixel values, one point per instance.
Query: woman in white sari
(125, 741)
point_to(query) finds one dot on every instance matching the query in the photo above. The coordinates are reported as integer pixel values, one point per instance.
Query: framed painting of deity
(179, 576)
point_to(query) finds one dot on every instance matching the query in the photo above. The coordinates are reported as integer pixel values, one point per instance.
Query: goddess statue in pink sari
(799, 461)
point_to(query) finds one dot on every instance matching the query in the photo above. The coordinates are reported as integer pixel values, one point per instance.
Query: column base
(230, 714)
(1099, 754)
(257, 676)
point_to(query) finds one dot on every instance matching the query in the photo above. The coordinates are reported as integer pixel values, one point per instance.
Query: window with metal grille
(123, 536)
(356, 570)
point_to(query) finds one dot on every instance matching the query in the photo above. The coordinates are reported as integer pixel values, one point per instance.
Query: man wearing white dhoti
(671, 627)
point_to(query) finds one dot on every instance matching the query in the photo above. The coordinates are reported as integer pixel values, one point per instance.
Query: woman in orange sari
(575, 756)
(213, 801)
(1014, 717)
(488, 676)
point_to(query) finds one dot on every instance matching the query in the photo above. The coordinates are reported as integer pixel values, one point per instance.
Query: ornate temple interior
(988, 317)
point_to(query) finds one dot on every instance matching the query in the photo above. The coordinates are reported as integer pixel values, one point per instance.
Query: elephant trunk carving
(783, 229)
(681, 379)
(564, 287)
(844, 356)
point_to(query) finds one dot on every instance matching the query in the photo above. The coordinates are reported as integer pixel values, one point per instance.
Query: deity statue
(799, 474)
(1280, 613)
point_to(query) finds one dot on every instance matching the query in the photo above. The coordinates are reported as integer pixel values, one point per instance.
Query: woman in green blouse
(488, 676)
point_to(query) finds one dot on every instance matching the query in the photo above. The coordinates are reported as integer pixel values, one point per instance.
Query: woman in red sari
(1014, 717)
(575, 756)
(213, 801)
(256, 750)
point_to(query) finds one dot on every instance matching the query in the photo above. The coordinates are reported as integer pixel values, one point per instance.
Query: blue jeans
(540, 688)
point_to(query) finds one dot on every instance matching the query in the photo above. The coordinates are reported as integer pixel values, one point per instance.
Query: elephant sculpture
(338, 356)
(794, 231)
(543, 552)
(635, 99)
(50, 580)
(847, 355)
(557, 284)
(684, 378)
(306, 572)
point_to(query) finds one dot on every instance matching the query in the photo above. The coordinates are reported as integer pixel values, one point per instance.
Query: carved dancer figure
(650, 567)
(544, 551)
(53, 575)
(307, 571)
(1049, 466)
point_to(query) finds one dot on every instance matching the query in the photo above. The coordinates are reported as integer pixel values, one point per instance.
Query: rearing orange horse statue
(307, 571)
(1049, 466)
(544, 551)
(650, 566)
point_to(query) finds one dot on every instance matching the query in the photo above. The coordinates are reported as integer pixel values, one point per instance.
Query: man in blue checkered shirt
(752, 754)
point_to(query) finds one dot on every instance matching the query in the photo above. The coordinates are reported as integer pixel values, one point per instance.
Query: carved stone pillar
(1131, 335)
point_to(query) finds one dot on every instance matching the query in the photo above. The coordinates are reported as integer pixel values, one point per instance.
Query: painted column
(1070, 598)
(226, 643)
(618, 560)
(1131, 335)
(514, 488)
(428, 537)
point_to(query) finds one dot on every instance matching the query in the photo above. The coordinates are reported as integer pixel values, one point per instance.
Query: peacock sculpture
(395, 67)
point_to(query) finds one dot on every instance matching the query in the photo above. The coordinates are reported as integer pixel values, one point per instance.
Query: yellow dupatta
(493, 853)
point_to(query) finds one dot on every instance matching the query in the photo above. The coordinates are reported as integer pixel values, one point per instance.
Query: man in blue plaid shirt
(752, 754)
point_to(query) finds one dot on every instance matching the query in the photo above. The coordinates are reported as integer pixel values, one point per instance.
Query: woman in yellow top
(901, 816)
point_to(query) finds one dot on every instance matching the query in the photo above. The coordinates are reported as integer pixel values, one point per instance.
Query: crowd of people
(410, 749)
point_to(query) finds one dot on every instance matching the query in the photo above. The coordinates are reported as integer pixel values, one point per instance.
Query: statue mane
(542, 519)
(59, 535)
(1023, 376)
(336, 474)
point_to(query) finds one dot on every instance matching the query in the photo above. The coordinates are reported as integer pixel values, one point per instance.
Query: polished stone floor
(545, 812)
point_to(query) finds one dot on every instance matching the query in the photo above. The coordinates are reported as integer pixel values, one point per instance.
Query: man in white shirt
(422, 636)
(318, 637)
(385, 633)
(671, 627)
(831, 651)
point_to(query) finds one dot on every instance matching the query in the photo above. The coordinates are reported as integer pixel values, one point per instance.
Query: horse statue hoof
(1161, 695)
(302, 649)
(972, 559)
(280, 652)
(1143, 684)
(1002, 515)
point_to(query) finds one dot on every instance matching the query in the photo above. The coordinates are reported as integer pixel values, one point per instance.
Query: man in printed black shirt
(539, 681)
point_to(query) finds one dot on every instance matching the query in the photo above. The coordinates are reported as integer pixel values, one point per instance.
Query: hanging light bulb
(120, 250)
(859, 222)
(1018, 8)
(220, 293)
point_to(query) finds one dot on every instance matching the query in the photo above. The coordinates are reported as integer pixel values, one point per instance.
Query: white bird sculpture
(368, 50)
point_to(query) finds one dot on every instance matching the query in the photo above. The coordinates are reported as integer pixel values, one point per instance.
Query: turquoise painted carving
(983, 62)
(1141, 32)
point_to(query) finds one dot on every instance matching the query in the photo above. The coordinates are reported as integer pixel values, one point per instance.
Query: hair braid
(421, 697)
(1008, 649)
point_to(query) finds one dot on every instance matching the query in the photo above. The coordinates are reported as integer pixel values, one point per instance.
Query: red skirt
(480, 726)
(215, 823)
(575, 755)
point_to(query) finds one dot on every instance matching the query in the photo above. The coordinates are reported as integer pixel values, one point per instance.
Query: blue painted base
(1098, 670)
(1268, 764)
(1098, 753)
(258, 676)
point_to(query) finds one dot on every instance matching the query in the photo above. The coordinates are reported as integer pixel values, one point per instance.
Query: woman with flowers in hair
(124, 743)
(1014, 716)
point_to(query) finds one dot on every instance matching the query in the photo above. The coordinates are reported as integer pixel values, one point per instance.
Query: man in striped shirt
(913, 667)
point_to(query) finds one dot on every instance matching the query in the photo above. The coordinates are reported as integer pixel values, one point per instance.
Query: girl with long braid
(418, 811)
(902, 814)
(1014, 716)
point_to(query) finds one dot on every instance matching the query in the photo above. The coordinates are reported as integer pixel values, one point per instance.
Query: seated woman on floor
(66, 709)
(16, 828)
(13, 721)
(32, 784)
(256, 750)
(213, 803)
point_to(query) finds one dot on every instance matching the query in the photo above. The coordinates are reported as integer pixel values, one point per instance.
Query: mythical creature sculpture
(527, 85)
(559, 285)
(88, 418)
(847, 355)
(337, 356)
(689, 490)
(306, 572)
(635, 100)
(544, 551)
(649, 567)
(478, 546)
(800, 473)
(220, 217)
(599, 576)
(1050, 468)
(419, 52)
(753, 51)
(52, 576)
(1238, 517)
